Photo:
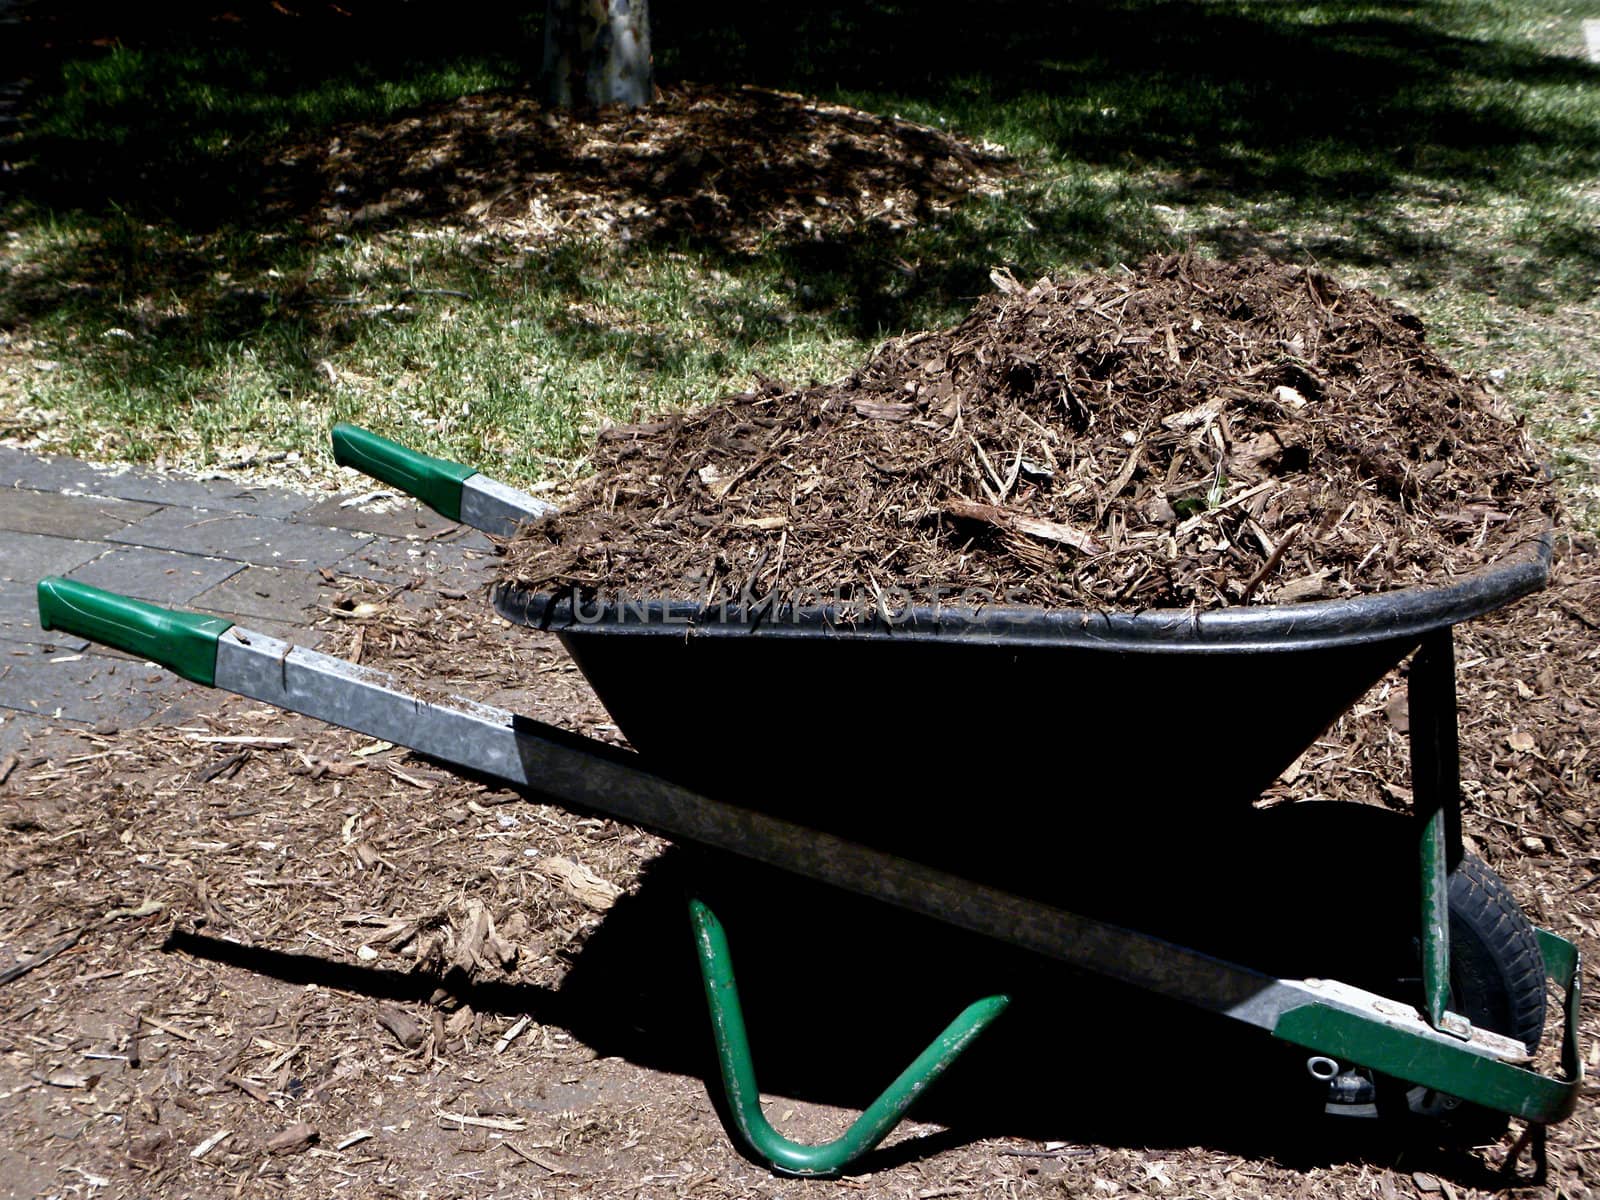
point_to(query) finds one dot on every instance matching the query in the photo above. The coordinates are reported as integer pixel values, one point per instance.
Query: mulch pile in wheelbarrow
(1194, 433)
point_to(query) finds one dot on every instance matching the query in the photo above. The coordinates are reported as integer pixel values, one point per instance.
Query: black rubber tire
(1496, 967)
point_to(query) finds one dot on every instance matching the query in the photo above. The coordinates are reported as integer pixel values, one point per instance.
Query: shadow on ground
(1338, 103)
(185, 120)
(841, 993)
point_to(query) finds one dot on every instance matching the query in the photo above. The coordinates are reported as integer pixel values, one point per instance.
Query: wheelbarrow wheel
(1496, 982)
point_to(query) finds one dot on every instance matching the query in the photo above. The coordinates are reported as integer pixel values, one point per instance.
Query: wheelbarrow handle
(435, 481)
(451, 489)
(183, 642)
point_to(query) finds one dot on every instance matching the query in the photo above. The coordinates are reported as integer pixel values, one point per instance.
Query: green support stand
(739, 1074)
(1436, 791)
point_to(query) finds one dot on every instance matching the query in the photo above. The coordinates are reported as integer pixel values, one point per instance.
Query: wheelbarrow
(1440, 1025)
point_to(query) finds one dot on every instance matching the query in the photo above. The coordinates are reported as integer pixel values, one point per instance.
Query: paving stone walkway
(249, 553)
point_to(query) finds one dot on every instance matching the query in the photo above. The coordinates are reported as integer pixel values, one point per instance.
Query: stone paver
(18, 469)
(17, 731)
(26, 558)
(242, 537)
(254, 555)
(67, 516)
(23, 633)
(262, 593)
(88, 688)
(159, 576)
(452, 564)
(408, 521)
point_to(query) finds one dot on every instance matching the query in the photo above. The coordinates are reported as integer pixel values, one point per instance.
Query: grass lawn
(172, 286)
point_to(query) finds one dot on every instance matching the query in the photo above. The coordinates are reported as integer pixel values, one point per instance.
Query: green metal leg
(1436, 788)
(739, 1074)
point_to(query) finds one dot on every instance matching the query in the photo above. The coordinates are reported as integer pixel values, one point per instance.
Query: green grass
(446, 344)
(1444, 153)
(197, 104)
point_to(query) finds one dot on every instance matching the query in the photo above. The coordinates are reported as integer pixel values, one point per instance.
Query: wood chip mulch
(730, 166)
(1194, 433)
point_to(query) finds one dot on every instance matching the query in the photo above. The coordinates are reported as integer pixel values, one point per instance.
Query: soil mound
(1195, 433)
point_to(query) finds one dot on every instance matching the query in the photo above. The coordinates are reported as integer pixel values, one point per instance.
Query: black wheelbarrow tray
(890, 723)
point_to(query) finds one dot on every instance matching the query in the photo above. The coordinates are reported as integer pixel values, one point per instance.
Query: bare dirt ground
(301, 962)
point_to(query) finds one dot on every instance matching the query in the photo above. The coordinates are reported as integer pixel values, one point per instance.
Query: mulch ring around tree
(1191, 434)
(733, 166)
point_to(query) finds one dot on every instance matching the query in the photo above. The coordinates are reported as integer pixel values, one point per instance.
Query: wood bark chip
(39, 960)
(1521, 741)
(156, 1023)
(885, 412)
(1118, 483)
(406, 1029)
(264, 743)
(502, 1124)
(145, 908)
(1273, 557)
(1398, 710)
(225, 769)
(538, 1160)
(254, 1091)
(1308, 587)
(1015, 522)
(511, 1034)
(148, 1151)
(461, 1022)
(210, 1144)
(288, 1141)
(581, 882)
(625, 433)
(1197, 417)
(468, 951)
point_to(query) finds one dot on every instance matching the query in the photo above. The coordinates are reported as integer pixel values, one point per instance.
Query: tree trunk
(597, 52)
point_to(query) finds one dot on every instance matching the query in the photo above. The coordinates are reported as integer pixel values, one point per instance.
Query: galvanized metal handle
(739, 1075)
(435, 481)
(183, 642)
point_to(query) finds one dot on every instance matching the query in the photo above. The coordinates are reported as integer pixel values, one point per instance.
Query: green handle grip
(185, 643)
(435, 481)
